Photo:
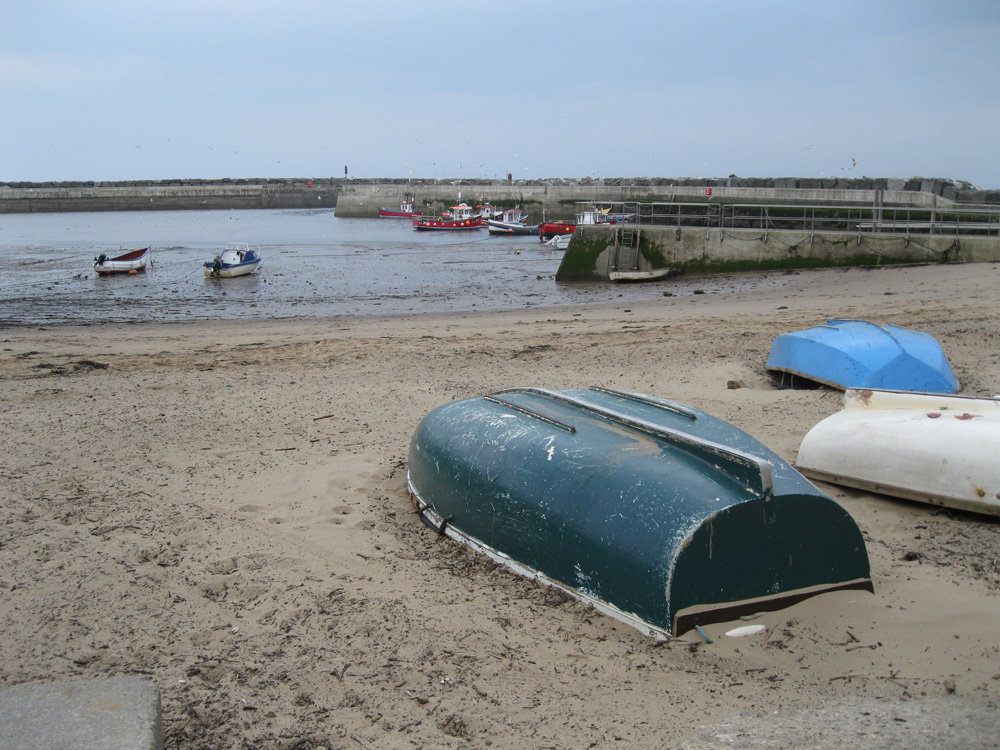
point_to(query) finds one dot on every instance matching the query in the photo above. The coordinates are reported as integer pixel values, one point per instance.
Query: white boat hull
(133, 262)
(238, 259)
(636, 276)
(227, 273)
(937, 449)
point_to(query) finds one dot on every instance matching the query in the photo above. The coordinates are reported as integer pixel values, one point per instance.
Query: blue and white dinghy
(238, 259)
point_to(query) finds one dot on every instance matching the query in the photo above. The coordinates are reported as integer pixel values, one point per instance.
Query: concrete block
(118, 713)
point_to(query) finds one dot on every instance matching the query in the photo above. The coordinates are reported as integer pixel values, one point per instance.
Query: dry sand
(223, 507)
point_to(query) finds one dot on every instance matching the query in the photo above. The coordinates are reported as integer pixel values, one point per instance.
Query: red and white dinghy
(131, 262)
(460, 217)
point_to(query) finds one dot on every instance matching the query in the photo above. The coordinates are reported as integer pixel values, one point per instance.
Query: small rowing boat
(653, 274)
(859, 354)
(933, 448)
(130, 262)
(658, 514)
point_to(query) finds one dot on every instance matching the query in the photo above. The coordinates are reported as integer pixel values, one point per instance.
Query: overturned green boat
(656, 513)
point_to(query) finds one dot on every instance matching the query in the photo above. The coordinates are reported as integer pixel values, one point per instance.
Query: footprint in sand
(340, 512)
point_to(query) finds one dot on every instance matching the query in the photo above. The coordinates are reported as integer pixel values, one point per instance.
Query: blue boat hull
(858, 354)
(658, 514)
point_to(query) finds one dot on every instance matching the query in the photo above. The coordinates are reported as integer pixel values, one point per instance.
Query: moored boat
(933, 448)
(130, 262)
(511, 221)
(859, 354)
(591, 213)
(405, 210)
(559, 241)
(549, 229)
(654, 274)
(488, 211)
(656, 513)
(238, 259)
(459, 217)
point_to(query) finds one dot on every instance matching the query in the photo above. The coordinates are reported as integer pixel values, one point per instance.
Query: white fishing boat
(933, 448)
(512, 221)
(238, 259)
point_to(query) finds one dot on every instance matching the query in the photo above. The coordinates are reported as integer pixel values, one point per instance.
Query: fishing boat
(549, 229)
(859, 354)
(511, 221)
(488, 211)
(933, 448)
(459, 217)
(405, 210)
(238, 259)
(592, 213)
(130, 262)
(658, 514)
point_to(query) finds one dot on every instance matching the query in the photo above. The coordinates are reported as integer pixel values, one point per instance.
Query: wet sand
(223, 507)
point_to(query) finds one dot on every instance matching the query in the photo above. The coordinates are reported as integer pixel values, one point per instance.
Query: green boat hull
(658, 514)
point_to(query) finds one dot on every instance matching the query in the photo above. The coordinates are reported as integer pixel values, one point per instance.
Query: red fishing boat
(405, 211)
(549, 229)
(460, 217)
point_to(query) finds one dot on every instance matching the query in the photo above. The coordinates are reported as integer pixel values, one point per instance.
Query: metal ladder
(627, 248)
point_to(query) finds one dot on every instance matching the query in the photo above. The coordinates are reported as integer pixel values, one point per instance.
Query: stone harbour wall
(592, 253)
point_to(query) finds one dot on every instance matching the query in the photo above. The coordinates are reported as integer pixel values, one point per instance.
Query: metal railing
(874, 219)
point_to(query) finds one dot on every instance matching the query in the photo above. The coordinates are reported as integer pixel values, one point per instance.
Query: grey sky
(116, 90)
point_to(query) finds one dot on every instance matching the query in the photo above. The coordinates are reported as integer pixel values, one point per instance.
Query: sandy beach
(223, 507)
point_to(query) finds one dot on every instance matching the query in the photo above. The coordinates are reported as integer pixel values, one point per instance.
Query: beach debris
(745, 630)
(703, 634)
(735, 384)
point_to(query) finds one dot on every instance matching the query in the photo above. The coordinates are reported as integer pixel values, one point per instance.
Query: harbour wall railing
(880, 217)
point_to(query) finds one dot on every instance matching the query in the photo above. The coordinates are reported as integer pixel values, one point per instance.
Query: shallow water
(315, 265)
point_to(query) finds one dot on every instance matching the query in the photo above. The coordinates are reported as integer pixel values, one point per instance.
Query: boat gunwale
(678, 437)
(899, 492)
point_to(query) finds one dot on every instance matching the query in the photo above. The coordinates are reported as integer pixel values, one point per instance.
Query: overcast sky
(144, 89)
